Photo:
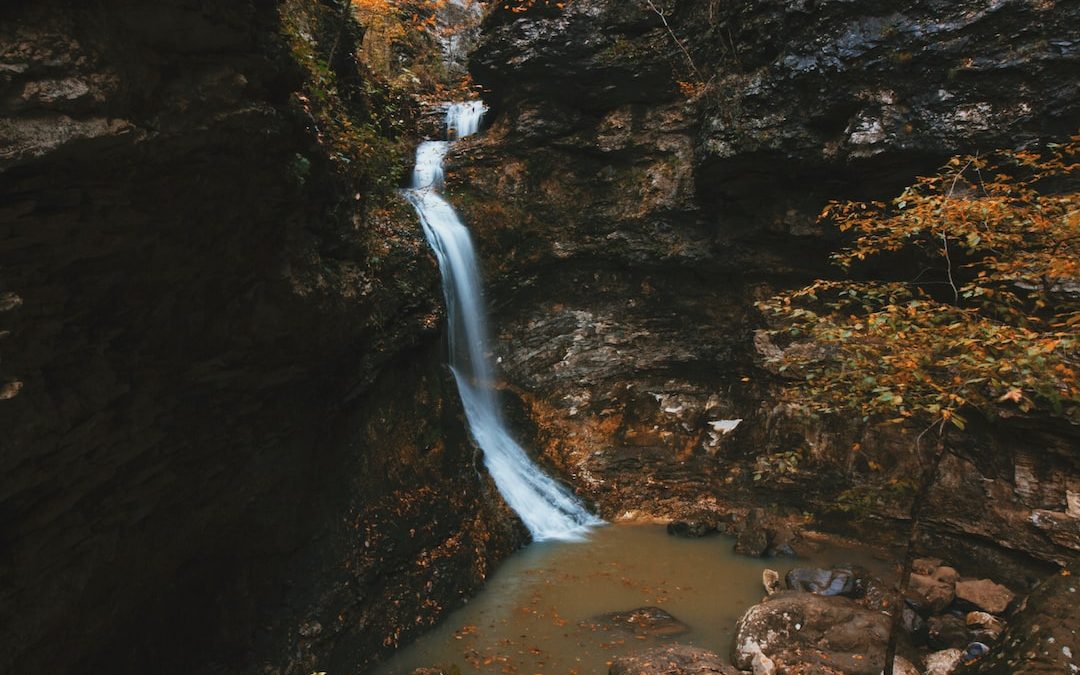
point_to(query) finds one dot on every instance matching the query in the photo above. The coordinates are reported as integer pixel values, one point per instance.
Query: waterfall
(463, 119)
(548, 509)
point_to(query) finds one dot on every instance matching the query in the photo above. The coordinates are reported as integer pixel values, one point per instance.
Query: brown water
(538, 612)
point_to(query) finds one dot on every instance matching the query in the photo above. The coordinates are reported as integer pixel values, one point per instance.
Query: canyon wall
(646, 179)
(228, 442)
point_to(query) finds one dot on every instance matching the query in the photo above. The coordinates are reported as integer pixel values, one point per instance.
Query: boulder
(672, 660)
(836, 581)
(985, 595)
(928, 594)
(799, 631)
(651, 621)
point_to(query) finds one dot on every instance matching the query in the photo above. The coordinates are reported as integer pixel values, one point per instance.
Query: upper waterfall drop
(548, 509)
(463, 119)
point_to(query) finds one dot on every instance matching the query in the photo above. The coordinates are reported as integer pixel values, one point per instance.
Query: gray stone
(914, 625)
(835, 581)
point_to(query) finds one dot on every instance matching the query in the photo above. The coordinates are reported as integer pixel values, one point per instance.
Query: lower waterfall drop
(547, 508)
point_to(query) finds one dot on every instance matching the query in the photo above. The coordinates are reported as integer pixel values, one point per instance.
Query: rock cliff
(652, 169)
(204, 461)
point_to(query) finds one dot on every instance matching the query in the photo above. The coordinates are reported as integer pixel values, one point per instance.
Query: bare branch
(686, 53)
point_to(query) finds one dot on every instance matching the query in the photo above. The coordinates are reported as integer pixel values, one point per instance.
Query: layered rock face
(641, 187)
(203, 459)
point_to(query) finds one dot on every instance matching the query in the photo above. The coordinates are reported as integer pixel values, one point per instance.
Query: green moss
(360, 123)
(619, 50)
(301, 168)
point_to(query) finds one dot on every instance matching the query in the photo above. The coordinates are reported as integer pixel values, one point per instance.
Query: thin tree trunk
(345, 6)
(926, 482)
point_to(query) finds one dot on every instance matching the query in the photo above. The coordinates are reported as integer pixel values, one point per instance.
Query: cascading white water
(463, 119)
(548, 509)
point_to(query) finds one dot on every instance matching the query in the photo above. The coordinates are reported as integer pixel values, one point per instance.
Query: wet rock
(1041, 637)
(753, 539)
(914, 625)
(943, 662)
(761, 534)
(851, 581)
(947, 631)
(672, 660)
(974, 652)
(876, 594)
(692, 528)
(930, 595)
(782, 541)
(984, 627)
(835, 581)
(801, 631)
(651, 621)
(985, 595)
(771, 580)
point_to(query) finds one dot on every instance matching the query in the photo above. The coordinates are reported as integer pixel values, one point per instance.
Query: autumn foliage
(986, 322)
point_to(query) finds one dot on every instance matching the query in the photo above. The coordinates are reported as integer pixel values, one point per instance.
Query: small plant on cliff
(696, 85)
(779, 466)
(987, 327)
(355, 117)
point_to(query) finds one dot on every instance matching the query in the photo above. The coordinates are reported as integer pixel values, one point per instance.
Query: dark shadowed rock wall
(640, 188)
(224, 427)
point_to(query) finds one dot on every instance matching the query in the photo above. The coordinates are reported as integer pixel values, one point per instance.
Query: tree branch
(686, 53)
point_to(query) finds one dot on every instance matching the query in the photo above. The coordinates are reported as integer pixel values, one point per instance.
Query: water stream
(543, 609)
(547, 508)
